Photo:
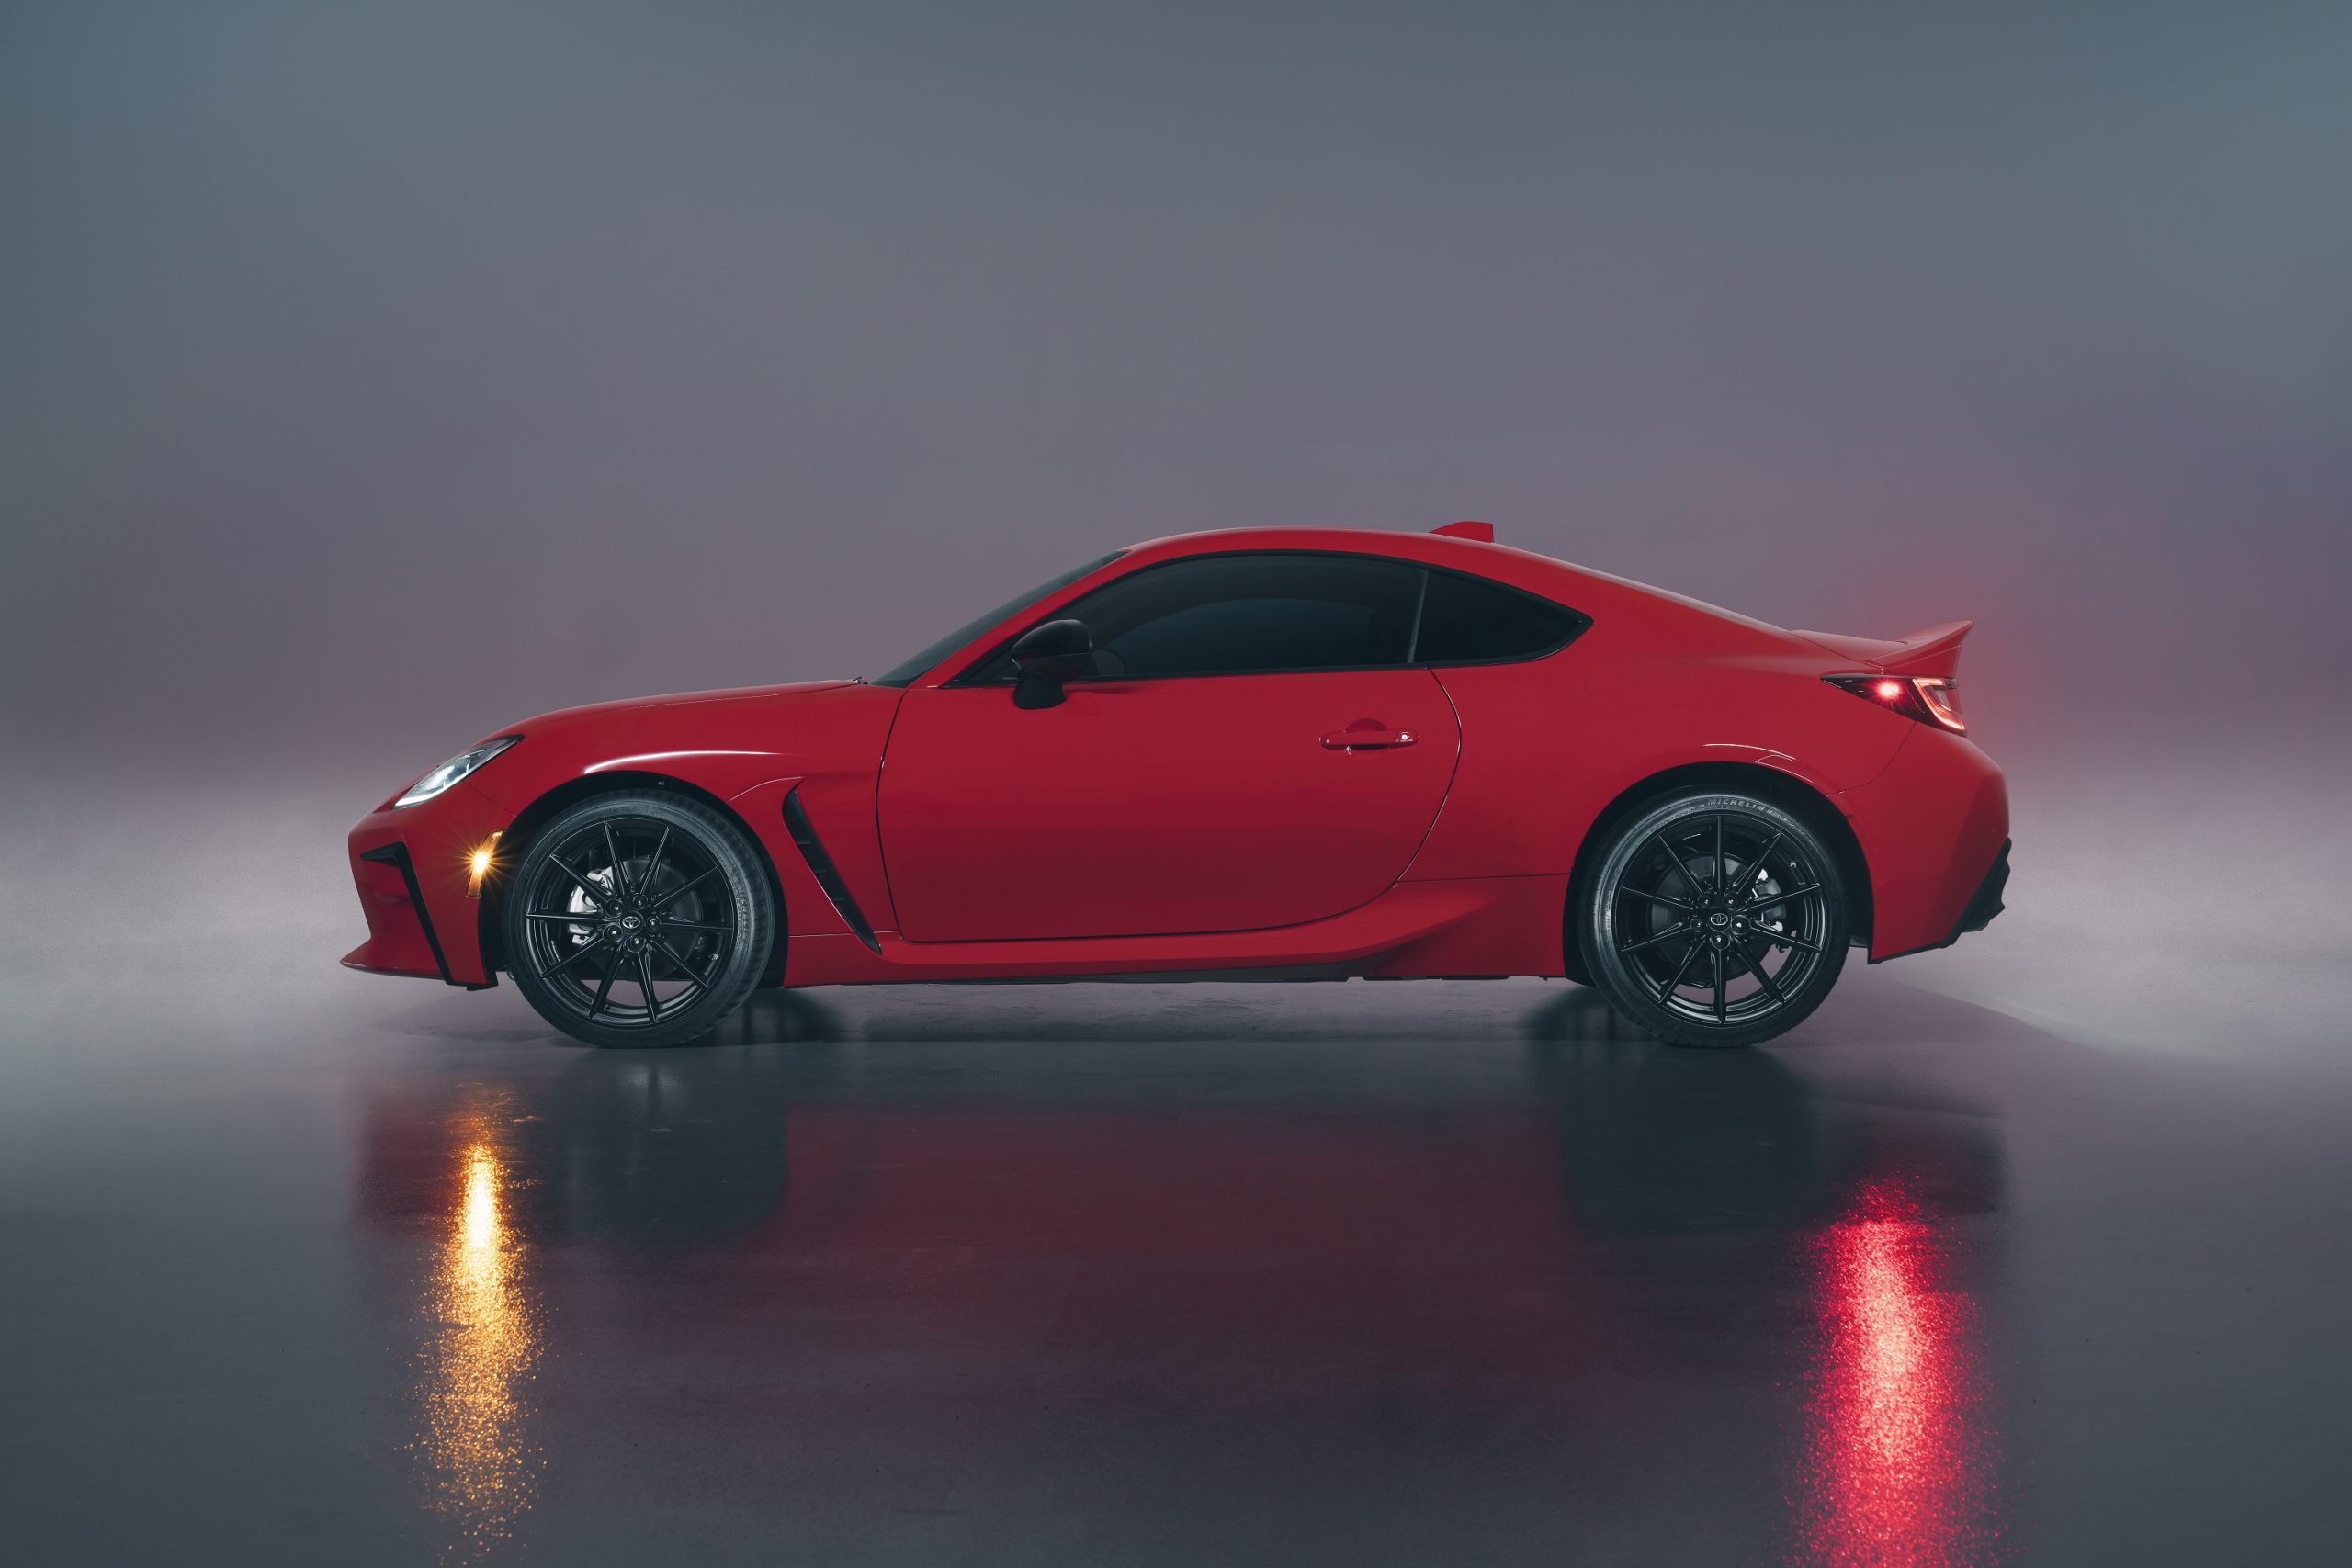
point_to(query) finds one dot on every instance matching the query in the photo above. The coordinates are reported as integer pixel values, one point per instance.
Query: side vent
(395, 854)
(820, 865)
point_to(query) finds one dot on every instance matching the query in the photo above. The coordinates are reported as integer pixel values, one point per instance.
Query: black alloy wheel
(638, 919)
(1713, 919)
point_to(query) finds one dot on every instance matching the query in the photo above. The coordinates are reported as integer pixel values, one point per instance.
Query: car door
(1252, 751)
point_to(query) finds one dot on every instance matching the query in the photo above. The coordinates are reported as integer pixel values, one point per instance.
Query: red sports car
(1258, 754)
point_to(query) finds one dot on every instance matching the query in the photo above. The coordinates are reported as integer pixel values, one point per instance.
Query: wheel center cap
(629, 922)
(1718, 919)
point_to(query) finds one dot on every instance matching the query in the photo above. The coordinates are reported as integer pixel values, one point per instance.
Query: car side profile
(1253, 754)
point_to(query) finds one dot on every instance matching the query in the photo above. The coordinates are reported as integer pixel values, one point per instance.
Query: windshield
(904, 674)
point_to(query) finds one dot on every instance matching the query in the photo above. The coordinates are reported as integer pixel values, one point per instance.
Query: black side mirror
(1048, 656)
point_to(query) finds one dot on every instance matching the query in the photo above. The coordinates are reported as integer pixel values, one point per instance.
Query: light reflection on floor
(1380, 1275)
(472, 1393)
(1897, 1475)
(909, 1235)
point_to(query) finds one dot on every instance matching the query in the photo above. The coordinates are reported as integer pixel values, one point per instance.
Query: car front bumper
(413, 868)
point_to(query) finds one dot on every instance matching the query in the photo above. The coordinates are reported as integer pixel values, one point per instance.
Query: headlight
(453, 769)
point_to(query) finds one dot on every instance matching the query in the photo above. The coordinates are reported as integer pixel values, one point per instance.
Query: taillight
(1931, 699)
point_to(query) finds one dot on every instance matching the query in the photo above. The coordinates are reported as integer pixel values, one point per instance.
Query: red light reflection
(1896, 1459)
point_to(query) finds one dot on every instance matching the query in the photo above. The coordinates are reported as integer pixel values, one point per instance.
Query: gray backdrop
(370, 377)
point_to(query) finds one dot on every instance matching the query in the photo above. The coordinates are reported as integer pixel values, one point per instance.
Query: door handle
(1368, 735)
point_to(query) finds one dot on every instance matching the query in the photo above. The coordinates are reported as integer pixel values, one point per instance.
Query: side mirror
(1048, 656)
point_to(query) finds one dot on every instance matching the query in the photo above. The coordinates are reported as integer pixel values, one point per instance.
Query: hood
(721, 742)
(565, 719)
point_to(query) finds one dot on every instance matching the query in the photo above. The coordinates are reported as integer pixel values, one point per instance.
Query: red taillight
(1942, 696)
(1931, 699)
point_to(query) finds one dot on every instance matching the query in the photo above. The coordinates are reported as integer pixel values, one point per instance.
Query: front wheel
(638, 919)
(1713, 919)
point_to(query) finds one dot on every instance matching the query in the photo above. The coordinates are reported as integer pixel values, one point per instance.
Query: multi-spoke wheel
(638, 919)
(1713, 919)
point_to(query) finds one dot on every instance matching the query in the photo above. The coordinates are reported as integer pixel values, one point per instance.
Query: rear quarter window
(1465, 621)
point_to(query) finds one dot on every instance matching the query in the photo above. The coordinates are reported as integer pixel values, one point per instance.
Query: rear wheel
(638, 919)
(1713, 919)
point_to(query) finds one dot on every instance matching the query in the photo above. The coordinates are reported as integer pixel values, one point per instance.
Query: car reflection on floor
(876, 1238)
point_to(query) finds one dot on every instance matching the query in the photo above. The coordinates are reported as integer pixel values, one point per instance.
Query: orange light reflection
(1897, 1474)
(483, 1467)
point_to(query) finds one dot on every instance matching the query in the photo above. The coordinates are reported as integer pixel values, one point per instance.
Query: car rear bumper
(1982, 908)
(1935, 830)
(1987, 902)
(411, 871)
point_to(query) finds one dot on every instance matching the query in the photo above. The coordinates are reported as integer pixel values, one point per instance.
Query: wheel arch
(1792, 794)
(491, 918)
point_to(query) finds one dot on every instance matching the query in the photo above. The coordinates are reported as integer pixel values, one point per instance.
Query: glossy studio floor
(340, 1269)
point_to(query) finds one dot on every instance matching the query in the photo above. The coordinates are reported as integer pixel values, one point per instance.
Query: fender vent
(820, 866)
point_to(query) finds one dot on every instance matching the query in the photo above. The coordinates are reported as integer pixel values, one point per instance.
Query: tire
(659, 959)
(1665, 912)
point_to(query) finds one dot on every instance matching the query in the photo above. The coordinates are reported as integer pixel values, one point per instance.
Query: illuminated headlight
(450, 772)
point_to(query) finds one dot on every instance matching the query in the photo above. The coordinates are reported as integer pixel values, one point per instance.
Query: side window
(1234, 615)
(1464, 621)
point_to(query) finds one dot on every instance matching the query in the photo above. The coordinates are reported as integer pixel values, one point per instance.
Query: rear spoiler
(1932, 650)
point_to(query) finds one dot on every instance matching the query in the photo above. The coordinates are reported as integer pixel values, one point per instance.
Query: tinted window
(1231, 615)
(1464, 621)
(903, 674)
